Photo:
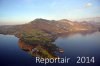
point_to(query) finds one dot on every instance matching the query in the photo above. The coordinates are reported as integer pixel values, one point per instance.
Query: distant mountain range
(51, 26)
(93, 19)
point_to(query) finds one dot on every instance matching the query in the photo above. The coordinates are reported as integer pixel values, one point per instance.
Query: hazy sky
(23, 11)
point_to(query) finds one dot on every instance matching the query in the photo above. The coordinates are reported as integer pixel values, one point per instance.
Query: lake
(84, 44)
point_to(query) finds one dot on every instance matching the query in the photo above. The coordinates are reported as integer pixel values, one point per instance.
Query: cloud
(88, 5)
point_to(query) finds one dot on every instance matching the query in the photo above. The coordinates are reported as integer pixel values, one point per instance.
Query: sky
(24, 11)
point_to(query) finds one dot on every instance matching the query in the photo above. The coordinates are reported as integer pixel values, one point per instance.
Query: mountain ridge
(47, 26)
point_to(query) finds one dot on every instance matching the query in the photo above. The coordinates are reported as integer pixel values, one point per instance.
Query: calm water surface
(75, 44)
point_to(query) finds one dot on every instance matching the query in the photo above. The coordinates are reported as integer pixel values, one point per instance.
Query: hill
(47, 26)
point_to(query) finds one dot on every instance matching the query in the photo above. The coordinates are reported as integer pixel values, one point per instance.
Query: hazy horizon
(23, 11)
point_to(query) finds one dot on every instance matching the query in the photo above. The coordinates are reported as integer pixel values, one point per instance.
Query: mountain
(47, 26)
(92, 19)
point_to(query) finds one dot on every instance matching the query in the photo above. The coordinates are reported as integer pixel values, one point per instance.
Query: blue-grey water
(76, 44)
(80, 44)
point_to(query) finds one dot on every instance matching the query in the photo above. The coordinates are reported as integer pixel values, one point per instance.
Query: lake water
(74, 45)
